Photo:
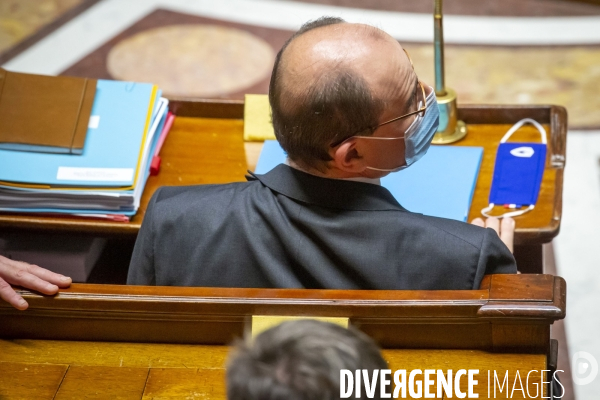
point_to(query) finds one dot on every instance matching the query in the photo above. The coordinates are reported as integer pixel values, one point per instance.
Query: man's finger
(22, 277)
(9, 295)
(478, 222)
(49, 276)
(494, 223)
(507, 232)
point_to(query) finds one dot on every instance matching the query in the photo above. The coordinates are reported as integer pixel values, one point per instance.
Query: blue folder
(158, 122)
(122, 108)
(440, 184)
(128, 210)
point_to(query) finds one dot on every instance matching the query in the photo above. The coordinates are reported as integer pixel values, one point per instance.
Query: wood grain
(92, 382)
(188, 381)
(111, 354)
(185, 384)
(525, 287)
(470, 359)
(28, 381)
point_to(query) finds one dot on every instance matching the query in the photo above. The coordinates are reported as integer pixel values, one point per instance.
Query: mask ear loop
(522, 122)
(489, 208)
(508, 134)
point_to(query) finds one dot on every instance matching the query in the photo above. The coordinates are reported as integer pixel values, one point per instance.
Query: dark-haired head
(322, 90)
(299, 360)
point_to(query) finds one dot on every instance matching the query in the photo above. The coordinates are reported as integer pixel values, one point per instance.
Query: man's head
(299, 360)
(333, 80)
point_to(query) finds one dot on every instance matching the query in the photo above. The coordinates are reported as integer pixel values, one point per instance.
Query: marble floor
(20, 19)
(498, 51)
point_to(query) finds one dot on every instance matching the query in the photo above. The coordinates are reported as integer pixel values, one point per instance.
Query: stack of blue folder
(108, 178)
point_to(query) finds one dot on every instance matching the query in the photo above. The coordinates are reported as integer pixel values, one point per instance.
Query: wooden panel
(206, 108)
(429, 335)
(25, 381)
(103, 383)
(208, 148)
(524, 287)
(511, 337)
(425, 319)
(107, 354)
(530, 259)
(503, 114)
(185, 384)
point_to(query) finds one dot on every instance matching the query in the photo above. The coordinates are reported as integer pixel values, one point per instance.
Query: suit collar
(324, 192)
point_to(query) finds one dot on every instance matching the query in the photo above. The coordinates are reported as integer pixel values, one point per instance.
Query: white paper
(95, 174)
(94, 122)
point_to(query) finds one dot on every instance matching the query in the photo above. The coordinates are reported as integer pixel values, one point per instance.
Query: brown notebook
(44, 113)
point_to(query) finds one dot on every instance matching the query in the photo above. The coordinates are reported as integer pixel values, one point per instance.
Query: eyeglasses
(419, 111)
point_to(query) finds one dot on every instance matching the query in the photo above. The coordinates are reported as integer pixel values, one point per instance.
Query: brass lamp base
(450, 129)
(445, 138)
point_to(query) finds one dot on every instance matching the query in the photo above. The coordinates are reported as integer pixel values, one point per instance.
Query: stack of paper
(107, 179)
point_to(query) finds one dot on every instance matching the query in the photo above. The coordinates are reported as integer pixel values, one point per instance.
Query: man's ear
(347, 157)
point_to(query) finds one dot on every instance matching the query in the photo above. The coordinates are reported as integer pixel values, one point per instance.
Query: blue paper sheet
(440, 184)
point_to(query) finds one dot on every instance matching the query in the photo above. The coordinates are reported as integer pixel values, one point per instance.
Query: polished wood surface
(510, 312)
(206, 146)
(30, 381)
(112, 354)
(39, 369)
(91, 382)
(147, 342)
(482, 361)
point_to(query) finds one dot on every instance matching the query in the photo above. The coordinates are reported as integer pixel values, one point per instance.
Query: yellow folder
(257, 118)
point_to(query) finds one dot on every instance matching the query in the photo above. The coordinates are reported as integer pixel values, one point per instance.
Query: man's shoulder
(173, 202)
(458, 230)
(170, 194)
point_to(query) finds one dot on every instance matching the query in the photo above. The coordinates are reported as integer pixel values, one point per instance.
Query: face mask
(418, 136)
(518, 173)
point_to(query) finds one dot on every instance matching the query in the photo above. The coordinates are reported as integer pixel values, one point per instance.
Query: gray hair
(299, 360)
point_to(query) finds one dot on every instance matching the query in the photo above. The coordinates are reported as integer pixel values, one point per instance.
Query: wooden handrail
(508, 312)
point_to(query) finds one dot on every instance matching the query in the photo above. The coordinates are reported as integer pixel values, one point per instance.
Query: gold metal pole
(450, 129)
(438, 49)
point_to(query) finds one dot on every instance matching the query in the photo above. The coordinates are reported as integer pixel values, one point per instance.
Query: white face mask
(417, 137)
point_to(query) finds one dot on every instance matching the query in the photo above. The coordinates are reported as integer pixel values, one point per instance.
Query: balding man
(348, 109)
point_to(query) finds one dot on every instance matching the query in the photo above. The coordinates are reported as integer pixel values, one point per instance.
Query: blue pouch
(518, 173)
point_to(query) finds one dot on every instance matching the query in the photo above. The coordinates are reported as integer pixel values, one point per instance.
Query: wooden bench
(171, 342)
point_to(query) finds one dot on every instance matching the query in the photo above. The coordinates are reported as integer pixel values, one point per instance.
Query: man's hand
(505, 229)
(28, 276)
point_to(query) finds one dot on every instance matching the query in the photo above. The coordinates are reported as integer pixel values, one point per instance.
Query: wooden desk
(206, 146)
(167, 342)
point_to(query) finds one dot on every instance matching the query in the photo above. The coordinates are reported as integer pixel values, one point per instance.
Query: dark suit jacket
(289, 229)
